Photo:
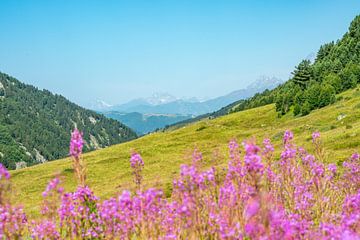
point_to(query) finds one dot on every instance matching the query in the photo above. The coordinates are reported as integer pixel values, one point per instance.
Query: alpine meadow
(271, 159)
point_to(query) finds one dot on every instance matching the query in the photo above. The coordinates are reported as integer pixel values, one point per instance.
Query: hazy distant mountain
(259, 85)
(263, 83)
(145, 123)
(99, 105)
(145, 115)
(166, 104)
(160, 98)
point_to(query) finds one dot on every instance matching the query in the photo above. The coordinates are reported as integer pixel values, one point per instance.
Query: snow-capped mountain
(164, 103)
(100, 105)
(153, 100)
(147, 114)
(264, 82)
(160, 98)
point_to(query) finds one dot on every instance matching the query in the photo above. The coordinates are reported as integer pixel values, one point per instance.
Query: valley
(163, 152)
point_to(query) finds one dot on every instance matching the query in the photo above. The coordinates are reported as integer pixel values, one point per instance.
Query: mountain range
(146, 123)
(163, 103)
(145, 115)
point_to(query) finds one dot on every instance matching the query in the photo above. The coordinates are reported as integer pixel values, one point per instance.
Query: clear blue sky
(119, 50)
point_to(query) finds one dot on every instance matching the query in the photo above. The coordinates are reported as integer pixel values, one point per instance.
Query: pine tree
(302, 73)
(324, 51)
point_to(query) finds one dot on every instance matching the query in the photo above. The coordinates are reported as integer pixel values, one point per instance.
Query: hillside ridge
(35, 125)
(313, 85)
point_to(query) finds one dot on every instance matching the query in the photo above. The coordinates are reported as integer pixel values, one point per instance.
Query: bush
(305, 109)
(297, 110)
(200, 128)
(333, 80)
(327, 96)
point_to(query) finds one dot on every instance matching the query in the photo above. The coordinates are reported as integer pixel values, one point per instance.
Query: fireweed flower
(4, 173)
(5, 187)
(308, 159)
(252, 208)
(315, 136)
(235, 165)
(137, 165)
(252, 159)
(268, 147)
(78, 214)
(51, 195)
(289, 152)
(136, 160)
(196, 157)
(234, 148)
(287, 155)
(332, 168)
(44, 230)
(288, 136)
(53, 185)
(318, 169)
(302, 152)
(13, 222)
(299, 198)
(351, 174)
(76, 146)
(355, 156)
(76, 143)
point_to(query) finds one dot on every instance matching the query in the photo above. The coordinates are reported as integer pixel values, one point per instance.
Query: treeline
(315, 85)
(35, 125)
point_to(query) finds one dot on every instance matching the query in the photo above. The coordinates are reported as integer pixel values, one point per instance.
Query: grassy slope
(164, 152)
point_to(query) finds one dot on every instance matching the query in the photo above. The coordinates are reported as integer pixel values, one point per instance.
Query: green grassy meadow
(109, 172)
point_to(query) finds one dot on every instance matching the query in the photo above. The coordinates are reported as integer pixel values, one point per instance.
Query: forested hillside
(35, 125)
(313, 85)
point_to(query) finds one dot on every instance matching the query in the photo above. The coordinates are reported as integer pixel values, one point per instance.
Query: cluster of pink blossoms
(137, 165)
(76, 143)
(258, 196)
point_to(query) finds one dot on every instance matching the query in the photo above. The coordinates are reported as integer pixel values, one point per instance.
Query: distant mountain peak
(164, 103)
(159, 98)
(192, 99)
(103, 103)
(265, 82)
(100, 105)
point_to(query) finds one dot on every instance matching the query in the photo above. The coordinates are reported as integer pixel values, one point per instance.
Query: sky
(120, 50)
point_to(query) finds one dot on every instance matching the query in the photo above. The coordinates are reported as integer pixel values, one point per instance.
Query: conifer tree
(302, 73)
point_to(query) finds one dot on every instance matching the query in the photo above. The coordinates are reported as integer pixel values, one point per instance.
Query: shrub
(200, 128)
(306, 109)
